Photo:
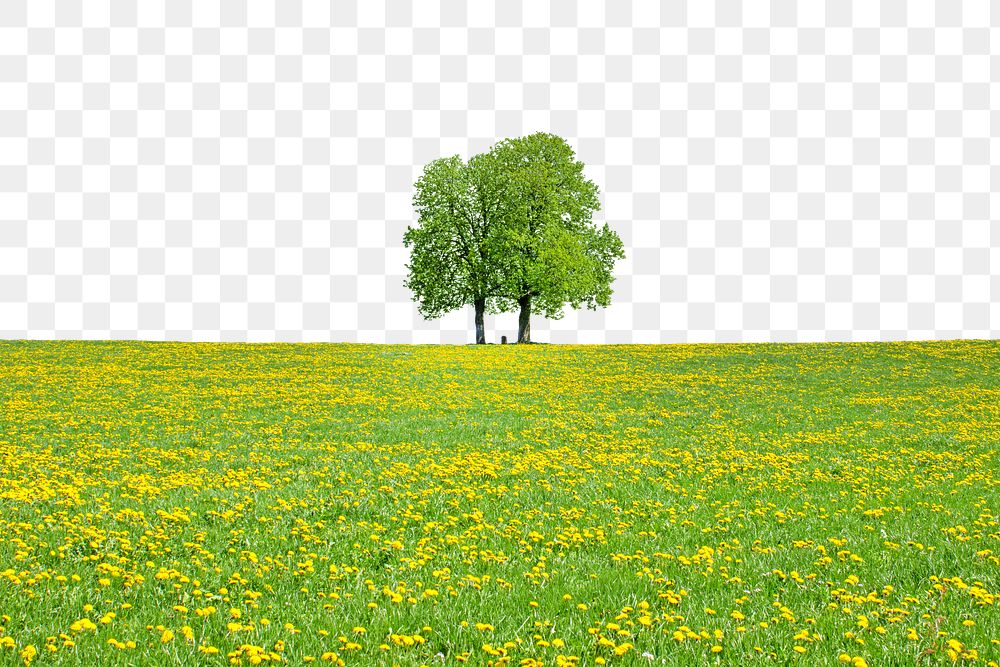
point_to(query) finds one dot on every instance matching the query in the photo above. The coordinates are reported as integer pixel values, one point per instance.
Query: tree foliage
(454, 258)
(511, 229)
(553, 251)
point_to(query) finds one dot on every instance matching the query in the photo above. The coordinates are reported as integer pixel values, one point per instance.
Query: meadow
(812, 504)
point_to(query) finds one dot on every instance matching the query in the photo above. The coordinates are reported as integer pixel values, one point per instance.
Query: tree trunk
(524, 320)
(480, 305)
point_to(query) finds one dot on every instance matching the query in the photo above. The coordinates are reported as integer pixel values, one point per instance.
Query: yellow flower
(82, 625)
(622, 649)
(28, 653)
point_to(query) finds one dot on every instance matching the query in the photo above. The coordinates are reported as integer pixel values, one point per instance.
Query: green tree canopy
(453, 262)
(553, 253)
(511, 229)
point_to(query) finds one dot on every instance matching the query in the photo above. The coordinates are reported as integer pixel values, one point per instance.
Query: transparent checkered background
(237, 170)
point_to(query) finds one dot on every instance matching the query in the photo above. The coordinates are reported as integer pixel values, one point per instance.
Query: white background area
(243, 171)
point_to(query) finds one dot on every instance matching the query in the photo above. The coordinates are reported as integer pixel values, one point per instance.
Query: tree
(550, 251)
(453, 262)
(511, 229)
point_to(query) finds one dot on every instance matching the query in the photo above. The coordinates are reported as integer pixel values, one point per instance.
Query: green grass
(573, 501)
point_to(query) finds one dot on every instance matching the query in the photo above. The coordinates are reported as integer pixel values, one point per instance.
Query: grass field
(166, 503)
